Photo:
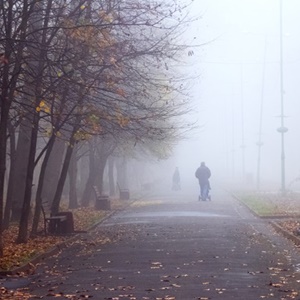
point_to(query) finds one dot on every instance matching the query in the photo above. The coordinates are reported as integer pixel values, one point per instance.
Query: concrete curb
(57, 248)
(274, 224)
(245, 205)
(285, 233)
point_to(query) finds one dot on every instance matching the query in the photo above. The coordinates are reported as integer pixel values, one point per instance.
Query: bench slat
(61, 218)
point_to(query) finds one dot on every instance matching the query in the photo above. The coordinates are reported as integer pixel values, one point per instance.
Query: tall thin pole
(260, 143)
(232, 143)
(242, 126)
(282, 129)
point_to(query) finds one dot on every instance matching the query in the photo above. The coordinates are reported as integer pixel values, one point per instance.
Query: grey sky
(231, 86)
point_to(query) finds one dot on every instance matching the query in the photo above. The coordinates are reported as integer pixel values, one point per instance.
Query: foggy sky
(231, 87)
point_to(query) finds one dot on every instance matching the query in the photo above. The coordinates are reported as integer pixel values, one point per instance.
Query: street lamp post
(243, 146)
(282, 129)
(260, 143)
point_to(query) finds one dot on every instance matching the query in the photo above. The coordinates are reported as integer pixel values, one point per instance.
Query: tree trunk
(88, 190)
(64, 172)
(73, 201)
(111, 179)
(100, 173)
(23, 227)
(8, 85)
(122, 173)
(38, 60)
(38, 197)
(83, 172)
(22, 155)
(3, 141)
(53, 170)
(11, 185)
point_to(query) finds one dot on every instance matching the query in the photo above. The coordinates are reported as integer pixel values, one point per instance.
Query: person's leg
(199, 197)
(203, 191)
(209, 188)
(206, 191)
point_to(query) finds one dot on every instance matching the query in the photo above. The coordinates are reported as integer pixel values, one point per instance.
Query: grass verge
(272, 204)
(260, 206)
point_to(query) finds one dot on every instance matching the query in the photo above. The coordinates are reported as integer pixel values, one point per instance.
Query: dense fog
(237, 93)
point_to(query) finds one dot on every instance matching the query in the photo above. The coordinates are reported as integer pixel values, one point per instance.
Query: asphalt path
(174, 247)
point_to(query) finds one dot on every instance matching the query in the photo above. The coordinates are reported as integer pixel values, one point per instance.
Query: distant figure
(176, 180)
(203, 174)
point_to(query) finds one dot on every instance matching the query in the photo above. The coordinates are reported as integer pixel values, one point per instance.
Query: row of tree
(82, 81)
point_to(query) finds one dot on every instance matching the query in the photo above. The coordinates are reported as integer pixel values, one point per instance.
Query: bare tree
(113, 63)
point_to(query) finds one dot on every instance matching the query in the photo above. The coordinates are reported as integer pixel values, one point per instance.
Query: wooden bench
(124, 193)
(102, 201)
(53, 224)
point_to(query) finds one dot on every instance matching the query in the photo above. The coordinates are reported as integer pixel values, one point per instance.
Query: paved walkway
(175, 247)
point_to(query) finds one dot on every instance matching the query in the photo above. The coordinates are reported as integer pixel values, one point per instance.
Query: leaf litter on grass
(16, 255)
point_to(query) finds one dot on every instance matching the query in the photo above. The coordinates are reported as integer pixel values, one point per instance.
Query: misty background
(238, 79)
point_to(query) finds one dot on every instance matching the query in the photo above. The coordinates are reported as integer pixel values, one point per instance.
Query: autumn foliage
(91, 80)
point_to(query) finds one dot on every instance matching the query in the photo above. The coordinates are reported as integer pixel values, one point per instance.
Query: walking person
(176, 180)
(203, 174)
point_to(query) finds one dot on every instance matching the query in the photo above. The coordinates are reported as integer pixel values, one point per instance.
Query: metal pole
(282, 129)
(260, 143)
(242, 126)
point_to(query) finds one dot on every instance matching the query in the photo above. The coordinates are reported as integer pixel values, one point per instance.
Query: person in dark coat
(176, 180)
(203, 174)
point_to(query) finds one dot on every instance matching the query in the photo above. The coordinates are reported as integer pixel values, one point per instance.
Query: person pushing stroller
(203, 174)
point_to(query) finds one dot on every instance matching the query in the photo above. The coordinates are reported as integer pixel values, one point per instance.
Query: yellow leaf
(38, 109)
(113, 60)
(121, 92)
(82, 7)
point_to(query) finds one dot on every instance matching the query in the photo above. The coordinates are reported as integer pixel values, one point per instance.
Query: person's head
(202, 164)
